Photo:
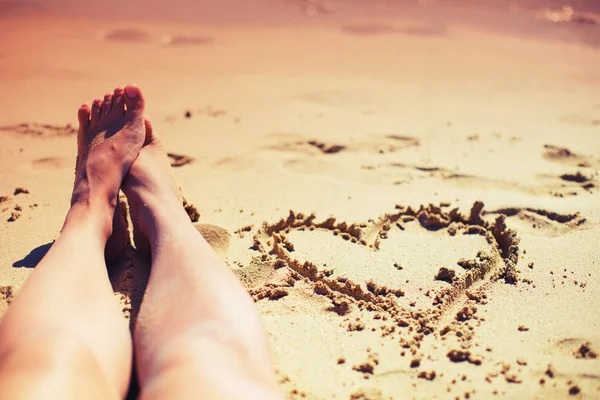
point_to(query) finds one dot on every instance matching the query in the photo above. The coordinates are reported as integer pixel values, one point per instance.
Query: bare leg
(198, 334)
(64, 335)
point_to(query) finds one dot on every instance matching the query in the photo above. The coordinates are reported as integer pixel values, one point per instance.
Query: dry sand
(415, 211)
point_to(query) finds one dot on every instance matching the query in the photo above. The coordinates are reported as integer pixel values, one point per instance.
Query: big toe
(134, 100)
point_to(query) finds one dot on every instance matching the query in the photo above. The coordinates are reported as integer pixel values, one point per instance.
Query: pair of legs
(198, 334)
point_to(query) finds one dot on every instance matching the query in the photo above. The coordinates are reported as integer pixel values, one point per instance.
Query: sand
(413, 207)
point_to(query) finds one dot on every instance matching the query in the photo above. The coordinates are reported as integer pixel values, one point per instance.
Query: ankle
(89, 216)
(157, 214)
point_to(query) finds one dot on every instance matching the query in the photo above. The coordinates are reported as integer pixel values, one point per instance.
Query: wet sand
(413, 207)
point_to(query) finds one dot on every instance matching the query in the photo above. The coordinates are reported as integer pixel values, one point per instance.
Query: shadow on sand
(34, 257)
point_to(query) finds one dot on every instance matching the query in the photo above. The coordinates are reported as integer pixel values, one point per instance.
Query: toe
(83, 115)
(134, 100)
(107, 104)
(95, 113)
(118, 104)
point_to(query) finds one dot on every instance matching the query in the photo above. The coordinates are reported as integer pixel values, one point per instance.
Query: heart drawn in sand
(364, 265)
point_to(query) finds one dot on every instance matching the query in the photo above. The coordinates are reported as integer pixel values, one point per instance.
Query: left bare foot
(109, 140)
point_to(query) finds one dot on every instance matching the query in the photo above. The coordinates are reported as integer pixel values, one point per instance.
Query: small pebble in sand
(586, 351)
(15, 215)
(549, 371)
(573, 390)
(355, 326)
(366, 368)
(523, 328)
(427, 375)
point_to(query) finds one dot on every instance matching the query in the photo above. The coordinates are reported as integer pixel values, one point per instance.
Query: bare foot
(151, 192)
(109, 140)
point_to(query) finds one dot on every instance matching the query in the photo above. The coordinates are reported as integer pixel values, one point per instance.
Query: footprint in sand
(41, 130)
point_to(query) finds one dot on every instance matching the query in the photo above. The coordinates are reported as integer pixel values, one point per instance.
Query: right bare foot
(151, 192)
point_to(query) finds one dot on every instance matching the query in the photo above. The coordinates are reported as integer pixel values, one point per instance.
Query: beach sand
(414, 208)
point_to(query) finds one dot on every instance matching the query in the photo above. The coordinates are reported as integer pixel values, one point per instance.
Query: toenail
(131, 92)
